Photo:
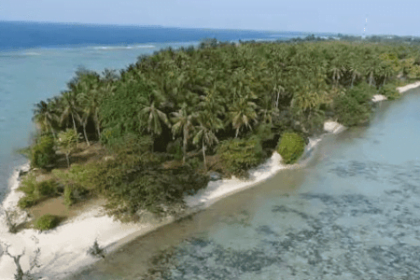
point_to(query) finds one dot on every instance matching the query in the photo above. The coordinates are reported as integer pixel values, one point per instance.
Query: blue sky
(385, 16)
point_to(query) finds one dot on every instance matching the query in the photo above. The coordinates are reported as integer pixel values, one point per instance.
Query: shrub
(46, 222)
(96, 251)
(175, 148)
(42, 152)
(35, 191)
(46, 188)
(27, 201)
(68, 196)
(354, 108)
(239, 155)
(349, 112)
(390, 91)
(291, 147)
(362, 93)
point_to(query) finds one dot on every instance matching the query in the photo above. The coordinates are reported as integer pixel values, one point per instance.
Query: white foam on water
(124, 47)
(31, 53)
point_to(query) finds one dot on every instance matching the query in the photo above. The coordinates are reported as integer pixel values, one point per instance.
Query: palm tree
(208, 124)
(89, 96)
(268, 112)
(183, 122)
(213, 101)
(243, 112)
(69, 108)
(154, 118)
(336, 74)
(386, 72)
(45, 115)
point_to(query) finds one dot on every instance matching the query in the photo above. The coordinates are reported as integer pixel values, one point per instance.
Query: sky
(336, 16)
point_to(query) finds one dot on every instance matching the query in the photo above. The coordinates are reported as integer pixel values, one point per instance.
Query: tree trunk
(352, 80)
(97, 125)
(153, 142)
(68, 161)
(277, 101)
(53, 132)
(371, 79)
(74, 123)
(237, 133)
(185, 145)
(84, 131)
(204, 157)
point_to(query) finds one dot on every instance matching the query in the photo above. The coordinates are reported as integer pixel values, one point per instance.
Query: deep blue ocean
(38, 59)
(23, 35)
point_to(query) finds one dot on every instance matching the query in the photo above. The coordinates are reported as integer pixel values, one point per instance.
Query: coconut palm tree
(154, 117)
(337, 72)
(70, 108)
(267, 111)
(182, 121)
(205, 132)
(241, 115)
(45, 115)
(356, 72)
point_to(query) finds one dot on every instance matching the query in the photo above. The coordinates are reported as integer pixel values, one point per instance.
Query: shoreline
(63, 250)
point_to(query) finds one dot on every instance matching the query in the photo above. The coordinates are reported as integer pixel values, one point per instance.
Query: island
(139, 141)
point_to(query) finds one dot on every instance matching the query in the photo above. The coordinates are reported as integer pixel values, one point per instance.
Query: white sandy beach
(408, 87)
(63, 250)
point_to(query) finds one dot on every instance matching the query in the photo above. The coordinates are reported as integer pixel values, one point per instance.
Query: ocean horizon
(16, 35)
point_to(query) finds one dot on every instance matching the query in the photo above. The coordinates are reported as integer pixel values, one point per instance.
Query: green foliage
(349, 112)
(390, 91)
(36, 191)
(355, 107)
(67, 140)
(175, 149)
(42, 153)
(239, 155)
(362, 93)
(68, 196)
(194, 163)
(120, 109)
(79, 181)
(204, 97)
(291, 147)
(133, 188)
(46, 222)
(26, 202)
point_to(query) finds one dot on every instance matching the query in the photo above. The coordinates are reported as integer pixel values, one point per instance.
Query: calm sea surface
(352, 213)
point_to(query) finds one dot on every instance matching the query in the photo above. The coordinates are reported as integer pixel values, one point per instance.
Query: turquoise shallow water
(29, 76)
(352, 213)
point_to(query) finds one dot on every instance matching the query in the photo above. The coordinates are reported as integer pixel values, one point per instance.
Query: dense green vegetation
(42, 153)
(46, 222)
(291, 147)
(35, 191)
(239, 155)
(171, 117)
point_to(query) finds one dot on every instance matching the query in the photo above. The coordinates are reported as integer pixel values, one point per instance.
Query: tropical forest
(144, 137)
